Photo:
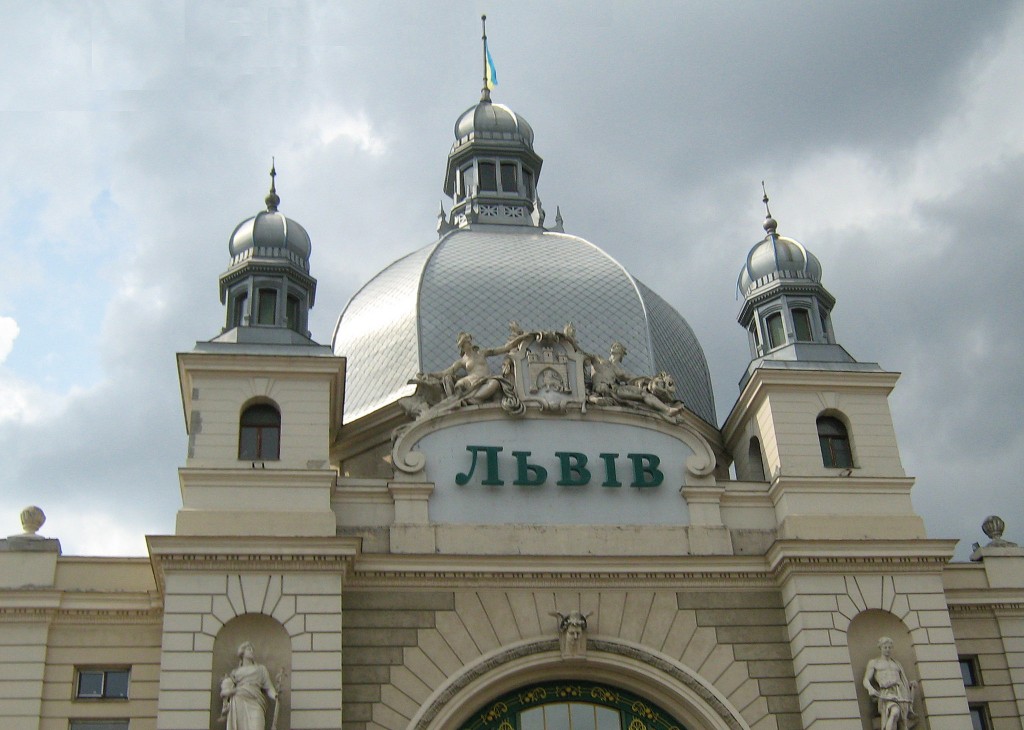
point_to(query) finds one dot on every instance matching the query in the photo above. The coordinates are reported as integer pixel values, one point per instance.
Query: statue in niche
(612, 384)
(572, 633)
(887, 684)
(246, 692)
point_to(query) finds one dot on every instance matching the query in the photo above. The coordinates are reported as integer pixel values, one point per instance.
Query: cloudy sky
(138, 134)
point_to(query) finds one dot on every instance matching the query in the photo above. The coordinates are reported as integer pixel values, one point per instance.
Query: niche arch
(862, 636)
(273, 650)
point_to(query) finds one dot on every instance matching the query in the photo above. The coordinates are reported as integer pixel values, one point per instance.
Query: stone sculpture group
(470, 381)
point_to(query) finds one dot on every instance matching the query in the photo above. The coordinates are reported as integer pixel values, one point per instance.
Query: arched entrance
(681, 698)
(572, 705)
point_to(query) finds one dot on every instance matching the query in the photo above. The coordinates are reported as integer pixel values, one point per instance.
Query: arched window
(568, 705)
(755, 464)
(259, 433)
(802, 325)
(776, 331)
(835, 443)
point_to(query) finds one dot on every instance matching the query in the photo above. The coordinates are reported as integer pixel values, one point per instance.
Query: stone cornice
(973, 600)
(827, 483)
(77, 607)
(786, 557)
(243, 554)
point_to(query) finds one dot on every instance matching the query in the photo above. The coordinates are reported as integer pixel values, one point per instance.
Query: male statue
(887, 683)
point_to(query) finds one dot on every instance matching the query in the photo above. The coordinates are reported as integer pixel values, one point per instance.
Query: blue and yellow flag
(491, 73)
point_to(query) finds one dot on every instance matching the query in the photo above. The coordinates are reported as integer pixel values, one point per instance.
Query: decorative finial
(993, 527)
(490, 77)
(273, 199)
(32, 518)
(770, 224)
(559, 222)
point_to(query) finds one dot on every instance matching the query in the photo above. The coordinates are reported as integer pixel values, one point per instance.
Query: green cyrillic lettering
(611, 479)
(645, 470)
(574, 469)
(528, 475)
(491, 479)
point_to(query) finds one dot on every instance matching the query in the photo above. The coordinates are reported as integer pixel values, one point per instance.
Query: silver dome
(778, 257)
(476, 279)
(269, 234)
(493, 121)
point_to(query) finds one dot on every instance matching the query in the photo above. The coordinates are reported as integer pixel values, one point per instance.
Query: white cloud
(330, 125)
(8, 333)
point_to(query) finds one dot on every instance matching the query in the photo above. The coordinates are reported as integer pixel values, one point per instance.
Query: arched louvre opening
(570, 705)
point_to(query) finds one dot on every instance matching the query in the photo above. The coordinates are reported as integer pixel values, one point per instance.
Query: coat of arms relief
(542, 369)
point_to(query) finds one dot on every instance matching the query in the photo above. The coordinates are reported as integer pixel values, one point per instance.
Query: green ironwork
(633, 712)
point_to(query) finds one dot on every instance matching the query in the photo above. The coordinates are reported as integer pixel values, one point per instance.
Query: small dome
(488, 120)
(778, 257)
(269, 234)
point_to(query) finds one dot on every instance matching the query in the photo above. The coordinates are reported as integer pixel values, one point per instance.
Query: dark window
(969, 671)
(238, 313)
(293, 313)
(802, 325)
(267, 306)
(102, 684)
(980, 719)
(259, 435)
(509, 178)
(488, 176)
(756, 463)
(99, 725)
(835, 443)
(528, 182)
(823, 315)
(776, 332)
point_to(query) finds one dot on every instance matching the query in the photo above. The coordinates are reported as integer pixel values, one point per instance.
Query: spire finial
(489, 81)
(770, 224)
(273, 199)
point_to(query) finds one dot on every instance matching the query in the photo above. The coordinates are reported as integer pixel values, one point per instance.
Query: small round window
(566, 705)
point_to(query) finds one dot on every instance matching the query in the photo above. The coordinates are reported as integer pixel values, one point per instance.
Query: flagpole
(485, 93)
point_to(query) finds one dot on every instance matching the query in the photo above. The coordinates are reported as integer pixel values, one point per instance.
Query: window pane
(532, 719)
(509, 183)
(556, 717)
(248, 440)
(270, 443)
(528, 181)
(116, 684)
(969, 671)
(239, 312)
(979, 720)
(802, 325)
(293, 313)
(608, 719)
(776, 332)
(582, 716)
(261, 415)
(90, 684)
(468, 179)
(268, 306)
(488, 176)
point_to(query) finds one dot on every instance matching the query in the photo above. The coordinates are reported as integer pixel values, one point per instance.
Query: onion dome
(487, 120)
(777, 257)
(269, 234)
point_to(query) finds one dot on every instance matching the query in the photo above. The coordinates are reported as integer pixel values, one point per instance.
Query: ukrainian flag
(491, 73)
